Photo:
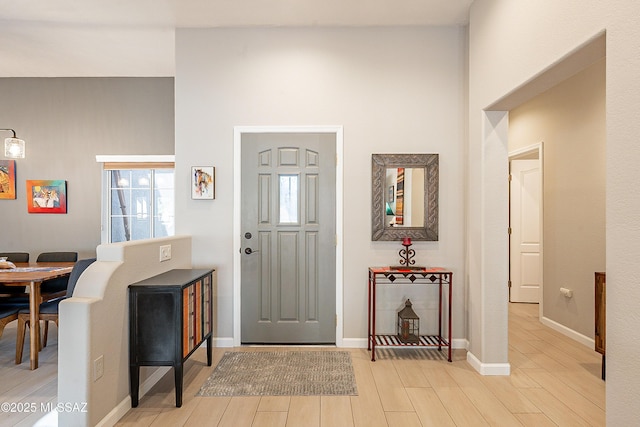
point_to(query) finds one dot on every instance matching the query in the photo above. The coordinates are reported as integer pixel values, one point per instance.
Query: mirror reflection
(405, 197)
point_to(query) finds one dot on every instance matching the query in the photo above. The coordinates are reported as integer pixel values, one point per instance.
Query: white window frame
(135, 161)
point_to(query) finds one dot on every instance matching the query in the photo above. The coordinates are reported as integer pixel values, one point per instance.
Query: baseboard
(488, 368)
(354, 343)
(576, 336)
(222, 342)
(116, 413)
(125, 405)
(458, 343)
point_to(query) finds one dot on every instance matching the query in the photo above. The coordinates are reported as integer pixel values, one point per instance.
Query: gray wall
(66, 122)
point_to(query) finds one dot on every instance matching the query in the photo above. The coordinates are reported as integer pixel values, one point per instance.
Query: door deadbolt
(247, 235)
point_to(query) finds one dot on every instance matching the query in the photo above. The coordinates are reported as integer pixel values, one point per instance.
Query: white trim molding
(135, 158)
(222, 342)
(125, 405)
(488, 368)
(577, 336)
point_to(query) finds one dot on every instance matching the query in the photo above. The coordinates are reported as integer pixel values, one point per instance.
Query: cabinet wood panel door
(170, 316)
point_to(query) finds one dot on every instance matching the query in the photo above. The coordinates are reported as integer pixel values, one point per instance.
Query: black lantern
(408, 327)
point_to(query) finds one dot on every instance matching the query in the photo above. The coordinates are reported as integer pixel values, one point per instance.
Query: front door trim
(237, 241)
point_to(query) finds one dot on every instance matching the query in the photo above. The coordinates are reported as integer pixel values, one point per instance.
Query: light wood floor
(554, 381)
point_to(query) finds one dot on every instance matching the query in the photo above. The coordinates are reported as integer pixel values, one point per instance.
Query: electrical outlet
(568, 293)
(98, 368)
(165, 253)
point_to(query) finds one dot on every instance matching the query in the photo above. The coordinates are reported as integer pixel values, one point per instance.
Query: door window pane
(288, 199)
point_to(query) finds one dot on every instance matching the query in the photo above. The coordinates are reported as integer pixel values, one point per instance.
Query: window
(138, 200)
(288, 199)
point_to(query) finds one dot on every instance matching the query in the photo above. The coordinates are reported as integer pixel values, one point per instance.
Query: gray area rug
(282, 373)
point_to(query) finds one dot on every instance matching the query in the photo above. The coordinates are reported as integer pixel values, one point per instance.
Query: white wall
(394, 90)
(95, 322)
(510, 42)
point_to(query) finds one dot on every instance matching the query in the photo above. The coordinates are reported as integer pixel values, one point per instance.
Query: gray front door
(288, 238)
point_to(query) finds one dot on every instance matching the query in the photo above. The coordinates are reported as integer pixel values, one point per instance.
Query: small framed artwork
(203, 182)
(47, 196)
(7, 179)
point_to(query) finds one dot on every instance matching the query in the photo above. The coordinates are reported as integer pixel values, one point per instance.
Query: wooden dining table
(32, 275)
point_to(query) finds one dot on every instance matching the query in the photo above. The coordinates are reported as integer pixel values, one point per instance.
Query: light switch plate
(165, 253)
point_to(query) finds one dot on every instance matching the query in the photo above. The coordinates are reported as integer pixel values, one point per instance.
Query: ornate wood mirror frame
(381, 227)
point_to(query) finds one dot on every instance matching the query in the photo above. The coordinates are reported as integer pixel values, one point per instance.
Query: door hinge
(509, 283)
(510, 177)
(509, 230)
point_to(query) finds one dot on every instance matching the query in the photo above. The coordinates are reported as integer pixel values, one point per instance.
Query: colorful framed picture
(203, 182)
(45, 196)
(7, 179)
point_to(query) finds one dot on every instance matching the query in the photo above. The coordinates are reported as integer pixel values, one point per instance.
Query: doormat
(282, 373)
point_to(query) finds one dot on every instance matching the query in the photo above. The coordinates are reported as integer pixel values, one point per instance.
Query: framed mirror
(404, 200)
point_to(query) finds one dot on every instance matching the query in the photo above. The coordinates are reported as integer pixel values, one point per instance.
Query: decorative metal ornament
(406, 254)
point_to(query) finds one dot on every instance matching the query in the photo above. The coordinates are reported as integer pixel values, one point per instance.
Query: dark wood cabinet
(600, 316)
(170, 316)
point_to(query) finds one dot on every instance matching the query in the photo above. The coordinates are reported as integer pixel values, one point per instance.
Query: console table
(410, 276)
(170, 315)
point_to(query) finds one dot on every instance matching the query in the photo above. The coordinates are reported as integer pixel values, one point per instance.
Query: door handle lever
(250, 251)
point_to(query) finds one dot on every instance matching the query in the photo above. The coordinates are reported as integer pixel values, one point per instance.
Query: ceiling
(51, 38)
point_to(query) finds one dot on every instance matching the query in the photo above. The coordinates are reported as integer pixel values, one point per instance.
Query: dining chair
(48, 309)
(15, 256)
(14, 290)
(55, 288)
(7, 314)
(57, 257)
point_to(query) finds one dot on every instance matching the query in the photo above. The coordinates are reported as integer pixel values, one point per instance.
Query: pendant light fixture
(13, 147)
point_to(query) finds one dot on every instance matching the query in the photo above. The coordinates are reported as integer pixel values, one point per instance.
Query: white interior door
(525, 261)
(288, 226)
